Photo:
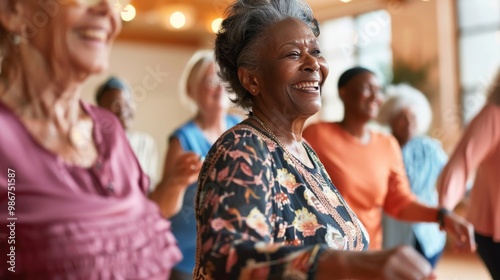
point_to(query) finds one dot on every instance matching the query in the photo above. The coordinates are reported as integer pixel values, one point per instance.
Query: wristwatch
(442, 212)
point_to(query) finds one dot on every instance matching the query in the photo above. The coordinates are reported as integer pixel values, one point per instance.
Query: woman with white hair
(408, 114)
(479, 151)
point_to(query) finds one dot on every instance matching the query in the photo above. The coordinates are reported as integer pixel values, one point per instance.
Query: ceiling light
(345, 1)
(128, 13)
(216, 24)
(177, 20)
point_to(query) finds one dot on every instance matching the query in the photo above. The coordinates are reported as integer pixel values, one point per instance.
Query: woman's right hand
(179, 174)
(398, 263)
(405, 263)
(185, 170)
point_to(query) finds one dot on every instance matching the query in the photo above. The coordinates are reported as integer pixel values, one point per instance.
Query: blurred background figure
(115, 95)
(479, 152)
(187, 147)
(407, 113)
(78, 190)
(367, 166)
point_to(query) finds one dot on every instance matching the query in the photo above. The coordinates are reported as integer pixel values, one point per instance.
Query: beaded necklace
(351, 229)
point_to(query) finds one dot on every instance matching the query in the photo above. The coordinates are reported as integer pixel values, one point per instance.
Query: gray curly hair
(404, 96)
(241, 33)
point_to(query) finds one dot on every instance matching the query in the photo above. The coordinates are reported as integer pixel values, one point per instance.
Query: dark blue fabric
(489, 251)
(433, 259)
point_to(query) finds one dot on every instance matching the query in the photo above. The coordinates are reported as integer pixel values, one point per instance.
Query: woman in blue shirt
(188, 145)
(408, 114)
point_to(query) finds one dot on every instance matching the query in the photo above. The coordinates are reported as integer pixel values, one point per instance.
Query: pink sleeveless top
(79, 223)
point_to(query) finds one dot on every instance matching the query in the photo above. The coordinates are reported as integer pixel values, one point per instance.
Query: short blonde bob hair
(193, 74)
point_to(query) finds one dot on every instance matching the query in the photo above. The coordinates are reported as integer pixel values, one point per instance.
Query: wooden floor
(461, 267)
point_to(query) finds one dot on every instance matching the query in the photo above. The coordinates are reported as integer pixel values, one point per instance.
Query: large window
(479, 43)
(363, 40)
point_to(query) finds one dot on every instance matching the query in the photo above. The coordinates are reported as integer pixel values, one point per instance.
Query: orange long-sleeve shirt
(479, 149)
(371, 177)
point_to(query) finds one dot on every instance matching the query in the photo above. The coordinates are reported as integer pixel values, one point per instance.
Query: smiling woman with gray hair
(76, 192)
(265, 205)
(408, 114)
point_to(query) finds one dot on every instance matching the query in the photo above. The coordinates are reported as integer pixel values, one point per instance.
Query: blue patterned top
(424, 159)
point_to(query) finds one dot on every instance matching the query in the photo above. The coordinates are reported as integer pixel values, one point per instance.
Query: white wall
(159, 109)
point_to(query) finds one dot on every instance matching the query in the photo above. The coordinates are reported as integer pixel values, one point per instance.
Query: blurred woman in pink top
(479, 151)
(72, 194)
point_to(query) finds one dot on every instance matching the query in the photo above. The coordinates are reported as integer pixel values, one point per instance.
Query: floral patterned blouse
(263, 215)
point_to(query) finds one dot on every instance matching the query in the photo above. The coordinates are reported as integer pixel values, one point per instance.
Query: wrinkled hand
(406, 263)
(402, 262)
(186, 170)
(461, 231)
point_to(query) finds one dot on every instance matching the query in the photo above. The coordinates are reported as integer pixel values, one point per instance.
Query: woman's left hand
(461, 231)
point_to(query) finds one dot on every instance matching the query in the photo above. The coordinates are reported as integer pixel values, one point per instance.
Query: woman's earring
(16, 39)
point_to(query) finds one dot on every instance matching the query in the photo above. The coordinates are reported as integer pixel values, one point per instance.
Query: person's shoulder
(312, 130)
(493, 108)
(187, 129)
(489, 111)
(424, 144)
(382, 136)
(107, 120)
(425, 140)
(95, 110)
(6, 115)
(186, 126)
(318, 125)
(384, 142)
(485, 123)
(242, 142)
(241, 134)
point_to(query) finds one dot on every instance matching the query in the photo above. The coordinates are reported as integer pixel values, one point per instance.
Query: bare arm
(180, 170)
(460, 229)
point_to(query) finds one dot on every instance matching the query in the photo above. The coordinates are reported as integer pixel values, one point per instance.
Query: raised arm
(401, 204)
(180, 170)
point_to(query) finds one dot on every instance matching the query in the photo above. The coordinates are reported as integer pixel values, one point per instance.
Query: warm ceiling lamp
(177, 20)
(128, 13)
(345, 1)
(216, 24)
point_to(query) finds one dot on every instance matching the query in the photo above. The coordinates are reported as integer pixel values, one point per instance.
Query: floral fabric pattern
(263, 215)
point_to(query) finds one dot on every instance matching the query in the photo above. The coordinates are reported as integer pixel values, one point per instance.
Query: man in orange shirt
(367, 167)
